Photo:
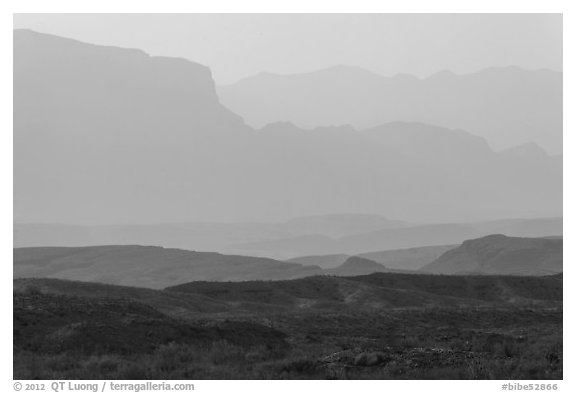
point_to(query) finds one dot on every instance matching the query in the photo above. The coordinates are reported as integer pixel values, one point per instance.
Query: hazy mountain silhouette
(314, 240)
(357, 266)
(202, 236)
(399, 259)
(407, 258)
(323, 261)
(336, 225)
(397, 238)
(499, 254)
(107, 135)
(508, 105)
(151, 267)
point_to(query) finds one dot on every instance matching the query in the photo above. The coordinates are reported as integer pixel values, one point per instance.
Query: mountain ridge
(146, 266)
(442, 99)
(157, 122)
(500, 254)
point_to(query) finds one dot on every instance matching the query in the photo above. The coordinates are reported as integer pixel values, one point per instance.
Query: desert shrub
(478, 369)
(133, 370)
(222, 352)
(102, 365)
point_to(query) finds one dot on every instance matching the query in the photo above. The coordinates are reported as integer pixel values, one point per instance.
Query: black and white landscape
(336, 223)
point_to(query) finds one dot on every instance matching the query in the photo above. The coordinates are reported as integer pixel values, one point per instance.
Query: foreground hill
(499, 254)
(507, 105)
(174, 304)
(385, 290)
(380, 326)
(318, 293)
(151, 267)
(82, 324)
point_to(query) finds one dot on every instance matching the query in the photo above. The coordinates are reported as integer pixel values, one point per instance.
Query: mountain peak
(356, 262)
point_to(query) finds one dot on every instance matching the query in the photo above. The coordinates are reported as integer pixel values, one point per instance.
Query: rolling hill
(193, 300)
(311, 327)
(176, 305)
(499, 254)
(357, 266)
(323, 261)
(157, 267)
(150, 267)
(407, 258)
(385, 290)
(399, 259)
(82, 324)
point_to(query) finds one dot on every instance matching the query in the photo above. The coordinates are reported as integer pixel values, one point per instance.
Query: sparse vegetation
(66, 336)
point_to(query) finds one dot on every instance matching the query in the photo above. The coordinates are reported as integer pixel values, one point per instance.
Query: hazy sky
(238, 45)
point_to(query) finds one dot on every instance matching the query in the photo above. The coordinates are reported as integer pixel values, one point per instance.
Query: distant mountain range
(199, 236)
(400, 259)
(499, 254)
(335, 224)
(407, 258)
(508, 106)
(397, 238)
(111, 135)
(345, 235)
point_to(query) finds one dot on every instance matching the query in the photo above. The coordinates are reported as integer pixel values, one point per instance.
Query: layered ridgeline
(402, 259)
(109, 135)
(150, 267)
(369, 244)
(156, 267)
(508, 106)
(499, 254)
(202, 236)
(326, 241)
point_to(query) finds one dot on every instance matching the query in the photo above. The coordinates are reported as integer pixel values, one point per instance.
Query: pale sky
(235, 46)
